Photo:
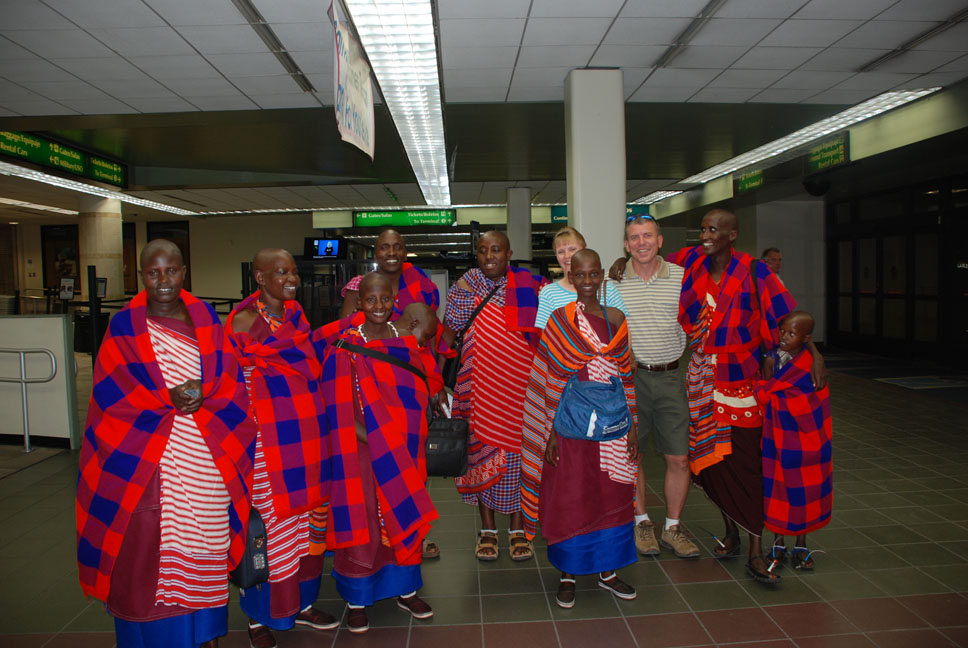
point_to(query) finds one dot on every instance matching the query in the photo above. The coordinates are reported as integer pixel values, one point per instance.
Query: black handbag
(253, 569)
(446, 449)
(452, 365)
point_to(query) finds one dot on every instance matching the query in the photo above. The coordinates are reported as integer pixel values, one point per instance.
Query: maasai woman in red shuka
(727, 316)
(271, 337)
(582, 491)
(495, 365)
(380, 510)
(797, 457)
(166, 465)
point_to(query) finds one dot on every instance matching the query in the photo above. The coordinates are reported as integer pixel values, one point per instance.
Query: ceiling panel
(954, 39)
(541, 77)
(308, 36)
(148, 41)
(958, 65)
(183, 66)
(876, 33)
(477, 77)
(842, 59)
(33, 14)
(32, 70)
(810, 33)
(101, 69)
(759, 8)
(60, 90)
(784, 95)
(98, 105)
(873, 81)
(811, 79)
(193, 12)
(707, 57)
(10, 50)
(237, 102)
(223, 39)
(555, 56)
(565, 31)
(35, 106)
(662, 8)
(746, 78)
(921, 10)
(471, 57)
(106, 13)
(483, 32)
(247, 64)
(455, 9)
(918, 61)
(211, 87)
(934, 79)
(645, 31)
(464, 193)
(858, 9)
(127, 88)
(60, 43)
(681, 78)
(776, 58)
(723, 95)
(264, 85)
(625, 56)
(286, 100)
(659, 94)
(161, 104)
(734, 31)
(843, 97)
(292, 11)
(575, 8)
(526, 92)
(476, 95)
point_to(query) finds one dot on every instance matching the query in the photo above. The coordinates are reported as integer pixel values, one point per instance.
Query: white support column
(595, 158)
(100, 241)
(519, 221)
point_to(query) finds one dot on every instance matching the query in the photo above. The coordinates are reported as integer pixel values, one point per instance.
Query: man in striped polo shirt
(650, 288)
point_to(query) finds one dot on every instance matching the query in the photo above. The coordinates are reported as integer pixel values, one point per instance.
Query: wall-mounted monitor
(324, 248)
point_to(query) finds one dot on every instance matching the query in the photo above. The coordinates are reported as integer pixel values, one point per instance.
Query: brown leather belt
(669, 366)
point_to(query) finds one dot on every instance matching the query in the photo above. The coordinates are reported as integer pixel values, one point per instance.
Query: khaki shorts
(660, 398)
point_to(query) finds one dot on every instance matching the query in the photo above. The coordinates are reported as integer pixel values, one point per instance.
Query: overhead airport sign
(748, 181)
(828, 154)
(55, 155)
(402, 218)
(353, 86)
(559, 213)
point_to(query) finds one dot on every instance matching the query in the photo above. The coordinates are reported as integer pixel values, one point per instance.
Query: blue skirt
(255, 602)
(595, 552)
(182, 631)
(389, 581)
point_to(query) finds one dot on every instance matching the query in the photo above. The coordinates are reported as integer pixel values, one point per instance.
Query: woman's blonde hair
(567, 233)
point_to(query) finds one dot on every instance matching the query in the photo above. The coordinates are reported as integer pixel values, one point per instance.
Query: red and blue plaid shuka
(128, 423)
(797, 449)
(288, 405)
(394, 403)
(737, 326)
(519, 298)
(415, 287)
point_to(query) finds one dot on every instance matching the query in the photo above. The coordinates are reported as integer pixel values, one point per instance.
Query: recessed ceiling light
(29, 205)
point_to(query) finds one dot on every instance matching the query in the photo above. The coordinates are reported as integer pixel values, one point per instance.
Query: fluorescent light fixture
(399, 40)
(30, 205)
(687, 34)
(795, 143)
(14, 223)
(656, 196)
(38, 176)
(264, 31)
(910, 44)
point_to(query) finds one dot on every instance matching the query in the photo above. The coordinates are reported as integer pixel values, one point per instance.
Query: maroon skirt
(735, 484)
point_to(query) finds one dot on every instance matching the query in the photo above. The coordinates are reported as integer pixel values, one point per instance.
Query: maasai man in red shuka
(271, 338)
(728, 315)
(166, 465)
(797, 456)
(581, 490)
(380, 510)
(491, 383)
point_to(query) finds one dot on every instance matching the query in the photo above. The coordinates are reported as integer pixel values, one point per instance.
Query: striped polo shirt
(653, 312)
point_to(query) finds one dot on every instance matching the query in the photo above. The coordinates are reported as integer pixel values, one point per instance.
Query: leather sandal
(431, 550)
(777, 555)
(800, 559)
(765, 577)
(521, 548)
(486, 549)
(728, 549)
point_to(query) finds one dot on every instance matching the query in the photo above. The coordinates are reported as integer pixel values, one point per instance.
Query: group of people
(195, 424)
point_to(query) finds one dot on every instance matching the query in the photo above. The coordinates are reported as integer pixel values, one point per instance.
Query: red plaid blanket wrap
(797, 449)
(394, 403)
(562, 352)
(737, 326)
(128, 423)
(288, 405)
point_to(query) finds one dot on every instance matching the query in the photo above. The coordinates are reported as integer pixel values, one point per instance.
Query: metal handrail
(24, 381)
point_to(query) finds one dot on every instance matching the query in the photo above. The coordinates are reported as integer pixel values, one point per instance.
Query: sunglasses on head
(629, 219)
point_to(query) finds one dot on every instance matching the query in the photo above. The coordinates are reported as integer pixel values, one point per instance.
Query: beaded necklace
(359, 329)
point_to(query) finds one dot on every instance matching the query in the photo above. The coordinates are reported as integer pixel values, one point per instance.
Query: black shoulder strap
(386, 357)
(475, 313)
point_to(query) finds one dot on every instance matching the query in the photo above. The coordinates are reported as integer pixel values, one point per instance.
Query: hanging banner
(353, 85)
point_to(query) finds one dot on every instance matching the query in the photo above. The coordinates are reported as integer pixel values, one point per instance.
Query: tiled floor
(894, 571)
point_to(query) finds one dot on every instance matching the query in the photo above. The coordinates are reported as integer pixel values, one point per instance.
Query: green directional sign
(828, 154)
(55, 155)
(398, 218)
(748, 181)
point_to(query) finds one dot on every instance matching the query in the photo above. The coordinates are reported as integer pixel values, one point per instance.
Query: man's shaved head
(727, 218)
(160, 245)
(420, 320)
(498, 234)
(419, 311)
(264, 257)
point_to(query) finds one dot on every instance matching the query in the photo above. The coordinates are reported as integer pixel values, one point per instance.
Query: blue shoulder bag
(593, 411)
